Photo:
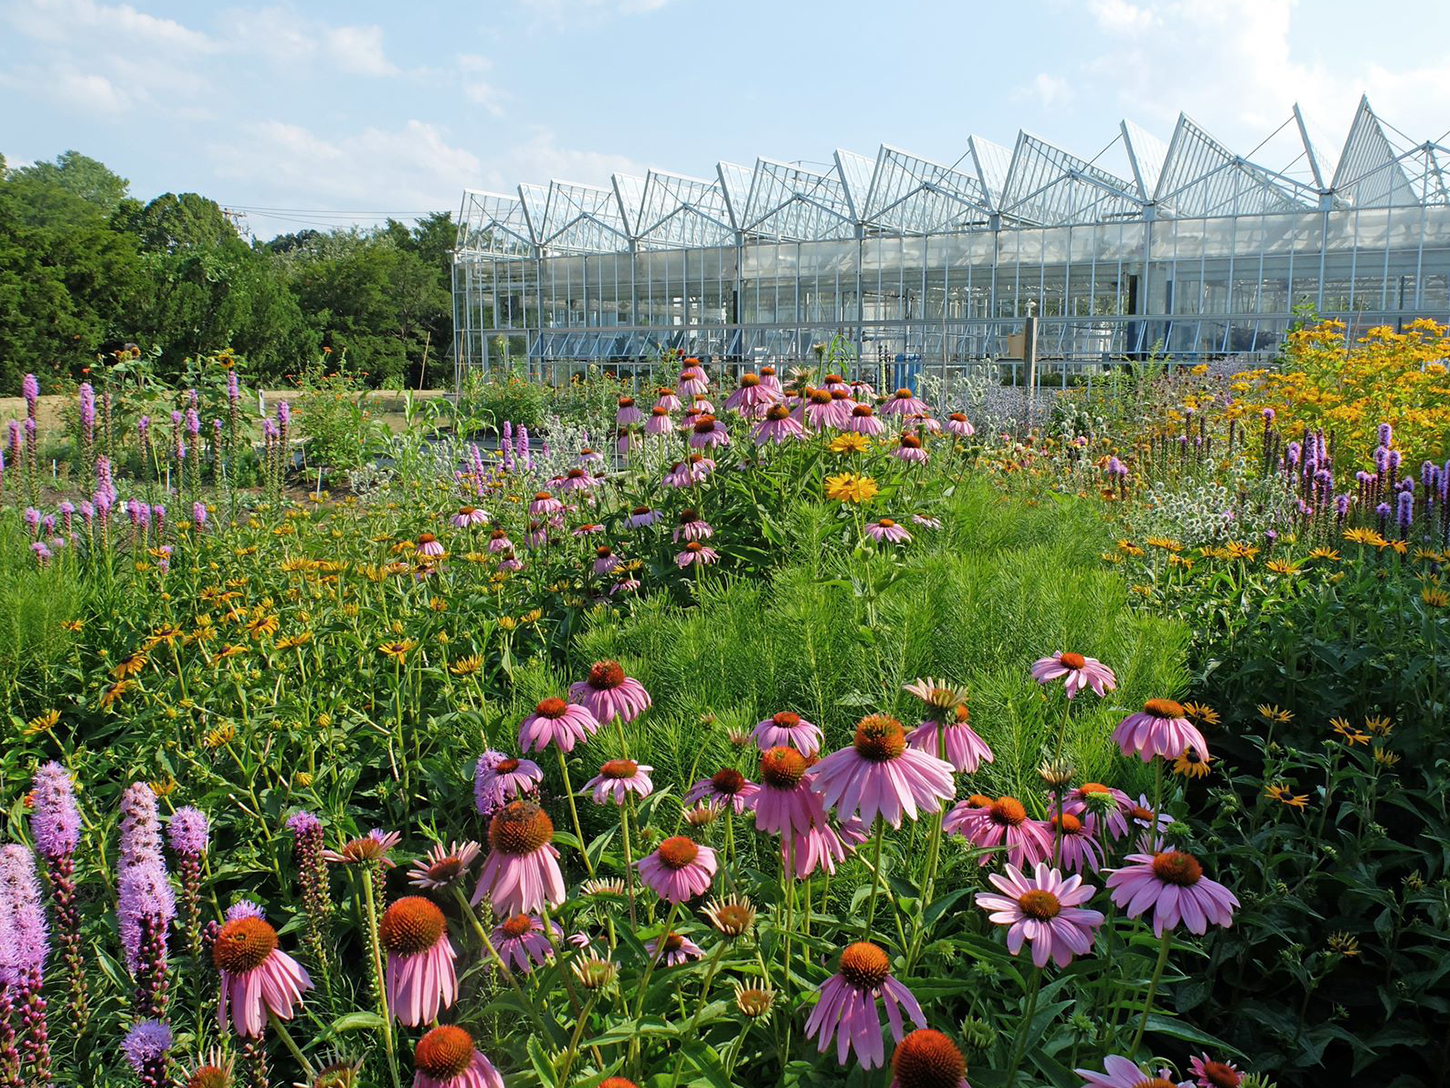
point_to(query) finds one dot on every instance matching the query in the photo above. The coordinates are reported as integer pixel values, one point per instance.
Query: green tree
(81, 176)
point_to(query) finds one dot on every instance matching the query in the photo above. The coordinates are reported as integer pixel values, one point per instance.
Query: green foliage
(333, 415)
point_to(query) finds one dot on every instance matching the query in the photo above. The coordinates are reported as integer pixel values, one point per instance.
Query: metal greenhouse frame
(1184, 247)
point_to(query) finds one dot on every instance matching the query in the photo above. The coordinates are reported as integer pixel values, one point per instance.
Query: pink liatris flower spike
(257, 978)
(679, 869)
(521, 873)
(846, 1012)
(420, 975)
(881, 775)
(1044, 910)
(1077, 673)
(446, 1058)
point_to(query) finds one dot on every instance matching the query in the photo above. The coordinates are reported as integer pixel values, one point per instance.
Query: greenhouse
(1183, 246)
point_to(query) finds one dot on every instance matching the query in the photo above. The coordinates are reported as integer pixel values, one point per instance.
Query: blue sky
(343, 111)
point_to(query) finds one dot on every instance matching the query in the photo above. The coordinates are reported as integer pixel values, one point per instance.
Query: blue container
(906, 372)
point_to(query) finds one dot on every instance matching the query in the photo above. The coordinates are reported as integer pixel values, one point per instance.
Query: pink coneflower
(589, 528)
(1115, 803)
(469, 516)
(696, 553)
(701, 404)
(522, 942)
(642, 517)
(846, 1012)
(678, 870)
(886, 531)
(1208, 1073)
(965, 750)
(708, 432)
(498, 541)
(257, 978)
(577, 479)
(445, 1058)
(787, 729)
(928, 1059)
(628, 585)
(1003, 822)
(779, 426)
(1076, 671)
(674, 949)
(499, 779)
(695, 469)
(879, 774)
(511, 564)
(604, 560)
(627, 414)
(667, 399)
(822, 846)
(959, 425)
(608, 692)
(659, 422)
(543, 504)
(821, 410)
(1077, 846)
(908, 448)
(905, 403)
(752, 398)
(1173, 884)
(428, 545)
(1119, 1072)
(374, 846)
(618, 778)
(1045, 910)
(863, 421)
(1154, 825)
(559, 723)
(590, 456)
(922, 423)
(769, 380)
(420, 978)
(693, 381)
(785, 804)
(1161, 728)
(926, 522)
(443, 866)
(835, 383)
(521, 873)
(724, 787)
(692, 526)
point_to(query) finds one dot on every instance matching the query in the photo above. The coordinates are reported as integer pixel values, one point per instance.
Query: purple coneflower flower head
(498, 541)
(909, 449)
(1044, 910)
(446, 1058)
(725, 787)
(443, 866)
(905, 403)
(55, 821)
(146, 1046)
(499, 779)
(1208, 1073)
(679, 869)
(523, 943)
(544, 504)
(708, 432)
(1173, 885)
(673, 950)
(604, 560)
(698, 554)
(1161, 728)
(692, 526)
(577, 479)
(618, 778)
(627, 413)
(886, 531)
(1119, 1072)
(559, 723)
(668, 400)
(751, 398)
(964, 749)
(880, 774)
(862, 420)
(642, 516)
(820, 847)
(374, 846)
(608, 692)
(1077, 846)
(521, 873)
(846, 1012)
(1003, 822)
(695, 469)
(926, 522)
(429, 545)
(1077, 673)
(785, 804)
(959, 425)
(469, 516)
(26, 941)
(659, 422)
(188, 831)
(787, 729)
(420, 976)
(777, 425)
(258, 979)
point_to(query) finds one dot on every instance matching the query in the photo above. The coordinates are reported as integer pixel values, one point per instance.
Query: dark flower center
(410, 926)
(678, 851)
(604, 551)
(507, 766)
(658, 411)
(864, 965)
(1072, 660)
(782, 768)
(674, 942)
(517, 926)
(426, 538)
(729, 781)
(576, 474)
(640, 511)
(786, 719)
(626, 402)
(820, 396)
(928, 1059)
(777, 412)
(520, 828)
(1008, 811)
(243, 945)
(606, 675)
(705, 424)
(863, 411)
(1163, 708)
(444, 1053)
(957, 417)
(1221, 1075)
(552, 708)
(886, 523)
(619, 768)
(497, 534)
(749, 381)
(1069, 823)
(1176, 867)
(910, 442)
(880, 738)
(1039, 904)
(903, 394)
(1154, 1082)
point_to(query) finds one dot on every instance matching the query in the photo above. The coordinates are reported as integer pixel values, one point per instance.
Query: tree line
(85, 269)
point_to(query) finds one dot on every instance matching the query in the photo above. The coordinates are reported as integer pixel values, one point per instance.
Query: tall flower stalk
(55, 825)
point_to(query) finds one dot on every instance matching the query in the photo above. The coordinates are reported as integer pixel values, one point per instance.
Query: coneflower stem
(1152, 992)
(291, 1044)
(644, 982)
(574, 811)
(624, 814)
(875, 879)
(572, 1051)
(711, 968)
(472, 916)
(371, 907)
(1019, 1045)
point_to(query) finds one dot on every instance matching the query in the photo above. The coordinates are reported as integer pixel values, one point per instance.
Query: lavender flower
(198, 515)
(1386, 435)
(140, 826)
(145, 896)
(147, 1047)
(30, 386)
(312, 876)
(234, 389)
(22, 917)
(32, 520)
(1405, 511)
(55, 822)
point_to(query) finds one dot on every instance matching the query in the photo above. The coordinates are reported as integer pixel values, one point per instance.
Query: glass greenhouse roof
(898, 192)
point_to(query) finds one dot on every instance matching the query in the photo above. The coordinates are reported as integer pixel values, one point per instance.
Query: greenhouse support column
(1029, 364)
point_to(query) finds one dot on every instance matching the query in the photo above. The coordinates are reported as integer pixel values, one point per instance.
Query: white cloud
(62, 21)
(541, 160)
(1047, 90)
(575, 12)
(1119, 16)
(471, 72)
(285, 36)
(359, 49)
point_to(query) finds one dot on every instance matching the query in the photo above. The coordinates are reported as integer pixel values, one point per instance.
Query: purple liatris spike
(188, 832)
(144, 913)
(198, 515)
(32, 519)
(245, 908)
(23, 953)
(193, 422)
(147, 1047)
(234, 389)
(140, 825)
(1405, 511)
(55, 820)
(30, 386)
(1341, 507)
(1386, 434)
(284, 414)
(87, 397)
(312, 877)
